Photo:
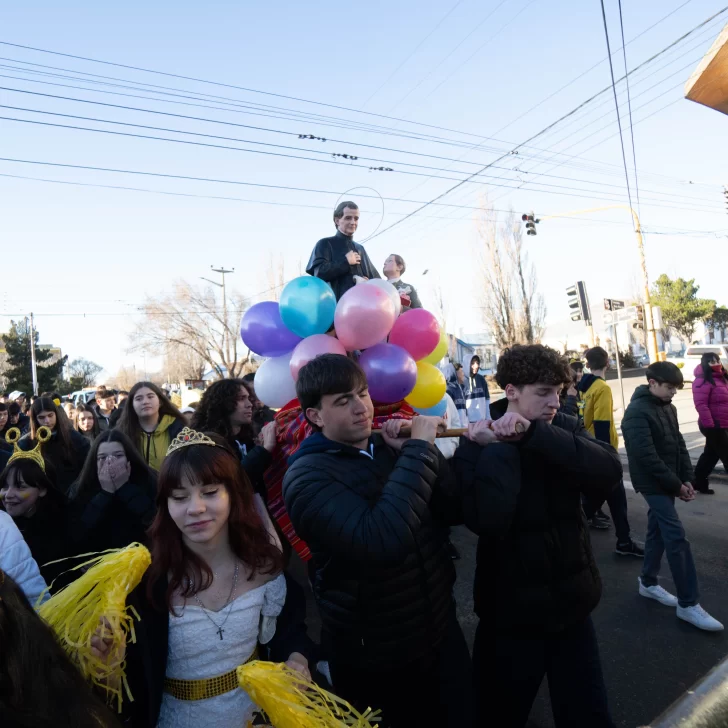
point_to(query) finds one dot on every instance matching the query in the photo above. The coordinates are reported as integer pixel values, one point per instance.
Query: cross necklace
(220, 629)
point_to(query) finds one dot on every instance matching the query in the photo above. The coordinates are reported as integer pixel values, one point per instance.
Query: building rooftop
(709, 83)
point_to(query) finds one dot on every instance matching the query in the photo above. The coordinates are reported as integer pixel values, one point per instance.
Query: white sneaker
(658, 594)
(698, 617)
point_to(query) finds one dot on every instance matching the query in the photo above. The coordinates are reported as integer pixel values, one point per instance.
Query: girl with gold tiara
(213, 598)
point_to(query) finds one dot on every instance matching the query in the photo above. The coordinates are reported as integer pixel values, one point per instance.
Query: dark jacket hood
(498, 408)
(586, 381)
(643, 393)
(317, 443)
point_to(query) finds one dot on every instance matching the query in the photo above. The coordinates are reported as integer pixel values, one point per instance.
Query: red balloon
(417, 332)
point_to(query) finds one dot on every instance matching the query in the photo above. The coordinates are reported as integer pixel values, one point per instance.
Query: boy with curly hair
(536, 580)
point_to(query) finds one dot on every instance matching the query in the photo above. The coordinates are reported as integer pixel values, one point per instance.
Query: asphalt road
(649, 656)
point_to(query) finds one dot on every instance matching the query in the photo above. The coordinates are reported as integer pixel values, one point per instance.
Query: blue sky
(477, 66)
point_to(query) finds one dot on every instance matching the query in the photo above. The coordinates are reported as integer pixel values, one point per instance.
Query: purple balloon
(391, 372)
(264, 332)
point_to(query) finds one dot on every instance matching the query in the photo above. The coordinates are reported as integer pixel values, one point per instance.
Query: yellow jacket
(153, 445)
(597, 409)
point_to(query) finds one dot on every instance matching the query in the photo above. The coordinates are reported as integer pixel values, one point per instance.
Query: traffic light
(530, 221)
(639, 322)
(578, 302)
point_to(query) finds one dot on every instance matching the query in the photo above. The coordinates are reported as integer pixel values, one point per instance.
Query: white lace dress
(197, 652)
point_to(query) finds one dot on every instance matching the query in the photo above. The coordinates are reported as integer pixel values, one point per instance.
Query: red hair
(249, 538)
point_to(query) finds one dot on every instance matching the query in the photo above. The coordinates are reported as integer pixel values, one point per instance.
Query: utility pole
(225, 338)
(649, 323)
(33, 367)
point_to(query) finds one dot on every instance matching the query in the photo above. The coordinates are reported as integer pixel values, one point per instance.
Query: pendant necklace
(220, 629)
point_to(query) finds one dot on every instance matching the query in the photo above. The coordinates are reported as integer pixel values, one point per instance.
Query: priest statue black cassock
(329, 258)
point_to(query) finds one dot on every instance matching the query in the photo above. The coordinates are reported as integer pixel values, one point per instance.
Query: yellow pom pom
(76, 612)
(290, 701)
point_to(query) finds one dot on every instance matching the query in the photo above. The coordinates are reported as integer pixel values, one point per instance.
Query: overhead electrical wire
(629, 106)
(417, 47)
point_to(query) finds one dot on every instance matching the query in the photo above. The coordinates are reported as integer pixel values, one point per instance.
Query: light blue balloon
(307, 306)
(437, 411)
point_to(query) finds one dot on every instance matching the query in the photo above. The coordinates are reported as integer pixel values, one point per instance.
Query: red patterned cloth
(293, 429)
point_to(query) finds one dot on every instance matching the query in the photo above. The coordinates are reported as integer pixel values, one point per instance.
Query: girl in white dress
(214, 597)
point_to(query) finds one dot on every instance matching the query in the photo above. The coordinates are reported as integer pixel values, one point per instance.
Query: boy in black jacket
(373, 511)
(536, 581)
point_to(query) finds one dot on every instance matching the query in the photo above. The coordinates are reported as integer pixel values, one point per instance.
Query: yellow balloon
(429, 387)
(440, 350)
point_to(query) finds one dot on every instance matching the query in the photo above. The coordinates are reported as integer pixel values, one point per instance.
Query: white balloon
(274, 385)
(390, 290)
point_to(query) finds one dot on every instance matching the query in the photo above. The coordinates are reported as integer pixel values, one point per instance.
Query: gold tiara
(13, 435)
(189, 437)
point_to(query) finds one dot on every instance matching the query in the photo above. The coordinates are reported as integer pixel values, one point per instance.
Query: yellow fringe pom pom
(78, 611)
(291, 701)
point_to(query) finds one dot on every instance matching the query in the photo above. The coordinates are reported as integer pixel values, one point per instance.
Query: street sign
(611, 304)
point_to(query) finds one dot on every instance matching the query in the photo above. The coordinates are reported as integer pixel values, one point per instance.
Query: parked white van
(691, 358)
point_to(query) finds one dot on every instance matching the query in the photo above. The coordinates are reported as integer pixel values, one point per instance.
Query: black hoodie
(384, 578)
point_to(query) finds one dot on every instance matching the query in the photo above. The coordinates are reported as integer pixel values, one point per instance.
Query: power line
(477, 27)
(419, 45)
(629, 106)
(277, 131)
(566, 189)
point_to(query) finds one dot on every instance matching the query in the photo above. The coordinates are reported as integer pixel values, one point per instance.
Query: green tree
(717, 320)
(19, 369)
(681, 307)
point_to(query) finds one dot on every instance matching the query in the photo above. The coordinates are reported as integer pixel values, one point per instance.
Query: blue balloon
(307, 306)
(437, 411)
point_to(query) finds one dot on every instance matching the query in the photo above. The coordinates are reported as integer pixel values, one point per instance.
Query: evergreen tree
(19, 369)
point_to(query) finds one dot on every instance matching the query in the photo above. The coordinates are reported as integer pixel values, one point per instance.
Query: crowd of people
(229, 496)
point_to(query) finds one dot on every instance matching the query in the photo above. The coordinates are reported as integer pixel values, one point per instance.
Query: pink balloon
(417, 332)
(310, 348)
(364, 316)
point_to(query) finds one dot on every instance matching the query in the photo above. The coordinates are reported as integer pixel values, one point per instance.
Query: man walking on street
(536, 581)
(660, 470)
(374, 512)
(598, 414)
(338, 260)
(478, 397)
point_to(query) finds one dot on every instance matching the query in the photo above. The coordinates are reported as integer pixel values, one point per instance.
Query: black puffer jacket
(376, 531)
(659, 462)
(535, 570)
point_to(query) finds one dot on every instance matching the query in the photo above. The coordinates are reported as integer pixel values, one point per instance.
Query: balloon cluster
(399, 350)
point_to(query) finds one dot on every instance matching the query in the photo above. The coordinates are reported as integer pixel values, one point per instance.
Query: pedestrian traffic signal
(639, 316)
(578, 302)
(530, 221)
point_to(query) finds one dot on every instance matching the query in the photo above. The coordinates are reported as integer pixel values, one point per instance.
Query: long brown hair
(95, 430)
(248, 535)
(62, 428)
(39, 686)
(129, 421)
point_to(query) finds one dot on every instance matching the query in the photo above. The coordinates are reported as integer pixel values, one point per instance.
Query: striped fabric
(292, 431)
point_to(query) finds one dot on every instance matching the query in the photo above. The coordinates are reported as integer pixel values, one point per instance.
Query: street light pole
(33, 365)
(649, 321)
(225, 339)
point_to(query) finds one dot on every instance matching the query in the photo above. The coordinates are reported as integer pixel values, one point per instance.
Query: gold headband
(189, 437)
(13, 435)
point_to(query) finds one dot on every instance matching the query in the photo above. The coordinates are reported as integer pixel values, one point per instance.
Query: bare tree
(182, 362)
(125, 379)
(83, 372)
(513, 309)
(192, 319)
(275, 277)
